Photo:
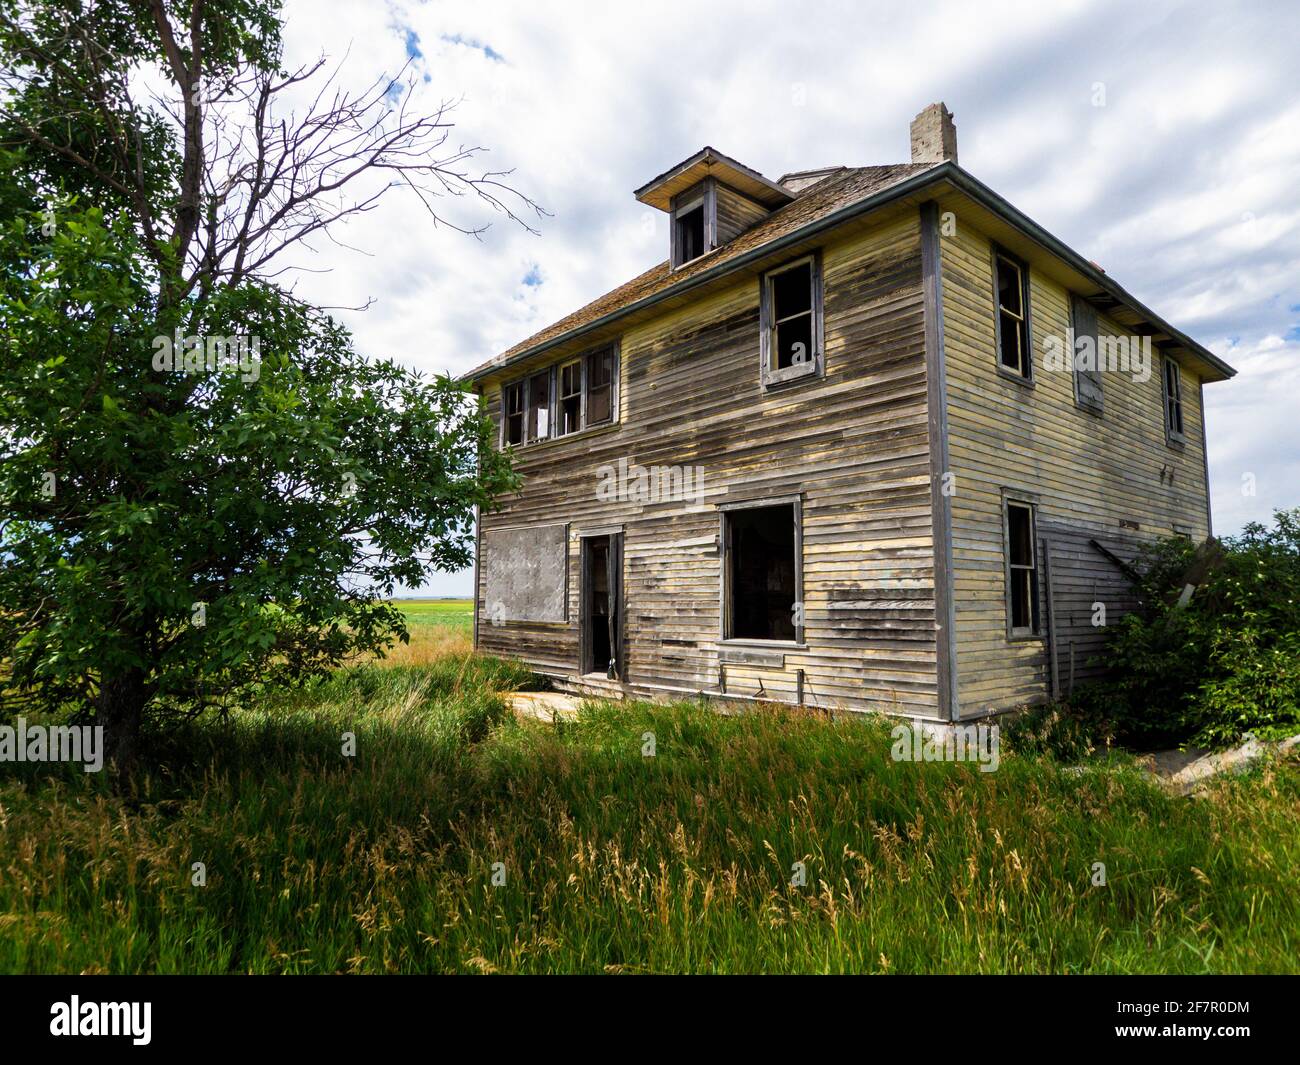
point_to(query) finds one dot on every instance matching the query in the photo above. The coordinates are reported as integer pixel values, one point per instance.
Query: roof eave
(977, 190)
(948, 172)
(829, 221)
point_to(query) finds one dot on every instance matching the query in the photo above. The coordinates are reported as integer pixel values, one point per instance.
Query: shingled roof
(844, 188)
(823, 204)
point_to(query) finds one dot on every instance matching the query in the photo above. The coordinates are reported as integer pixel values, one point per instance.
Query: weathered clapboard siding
(1087, 588)
(1086, 473)
(854, 445)
(736, 213)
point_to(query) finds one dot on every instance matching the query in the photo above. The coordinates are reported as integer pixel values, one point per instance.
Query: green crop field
(459, 612)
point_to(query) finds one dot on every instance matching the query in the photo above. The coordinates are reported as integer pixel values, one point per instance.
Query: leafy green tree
(203, 486)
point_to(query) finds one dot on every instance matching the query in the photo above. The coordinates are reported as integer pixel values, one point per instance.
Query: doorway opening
(602, 615)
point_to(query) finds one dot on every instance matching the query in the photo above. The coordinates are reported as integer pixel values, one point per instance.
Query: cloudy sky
(1161, 140)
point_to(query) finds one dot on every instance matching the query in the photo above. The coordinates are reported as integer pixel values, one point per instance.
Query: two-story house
(869, 438)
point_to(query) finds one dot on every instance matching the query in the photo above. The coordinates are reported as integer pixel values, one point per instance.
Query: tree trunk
(120, 710)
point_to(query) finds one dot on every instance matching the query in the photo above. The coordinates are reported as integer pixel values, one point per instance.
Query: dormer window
(695, 222)
(689, 222)
(710, 199)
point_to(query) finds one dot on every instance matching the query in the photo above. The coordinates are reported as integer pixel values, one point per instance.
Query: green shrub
(1225, 663)
(1061, 730)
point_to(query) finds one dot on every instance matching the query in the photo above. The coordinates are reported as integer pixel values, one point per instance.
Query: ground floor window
(1022, 570)
(761, 572)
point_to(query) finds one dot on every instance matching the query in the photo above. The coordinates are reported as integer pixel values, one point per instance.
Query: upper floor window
(695, 223)
(568, 417)
(1173, 397)
(539, 405)
(561, 399)
(1086, 364)
(512, 407)
(599, 387)
(690, 233)
(1014, 353)
(790, 321)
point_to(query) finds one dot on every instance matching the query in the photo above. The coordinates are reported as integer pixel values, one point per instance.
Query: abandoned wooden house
(869, 438)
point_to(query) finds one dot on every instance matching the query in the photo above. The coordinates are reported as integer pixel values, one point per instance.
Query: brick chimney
(934, 137)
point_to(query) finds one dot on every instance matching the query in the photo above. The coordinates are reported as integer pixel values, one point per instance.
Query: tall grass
(437, 628)
(614, 861)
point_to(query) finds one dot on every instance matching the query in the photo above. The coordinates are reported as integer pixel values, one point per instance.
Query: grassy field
(612, 861)
(438, 627)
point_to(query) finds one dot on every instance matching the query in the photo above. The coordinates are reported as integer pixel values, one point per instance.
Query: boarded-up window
(525, 573)
(1087, 355)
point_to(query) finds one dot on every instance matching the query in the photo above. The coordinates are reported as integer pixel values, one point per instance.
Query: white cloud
(1180, 185)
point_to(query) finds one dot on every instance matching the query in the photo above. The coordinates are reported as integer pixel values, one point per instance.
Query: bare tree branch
(257, 178)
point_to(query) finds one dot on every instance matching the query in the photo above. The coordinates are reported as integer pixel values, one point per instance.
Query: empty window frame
(600, 389)
(1022, 569)
(790, 321)
(539, 405)
(761, 572)
(513, 407)
(1011, 285)
(694, 222)
(568, 413)
(1173, 398)
(561, 400)
(690, 233)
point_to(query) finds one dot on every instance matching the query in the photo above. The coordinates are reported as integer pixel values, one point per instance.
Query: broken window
(512, 402)
(1013, 320)
(791, 316)
(761, 572)
(1086, 357)
(561, 400)
(1173, 397)
(1022, 570)
(600, 386)
(688, 227)
(539, 406)
(569, 412)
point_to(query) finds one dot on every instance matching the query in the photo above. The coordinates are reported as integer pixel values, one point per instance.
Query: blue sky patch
(470, 42)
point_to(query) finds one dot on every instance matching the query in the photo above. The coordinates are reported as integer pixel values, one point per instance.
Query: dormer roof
(709, 162)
